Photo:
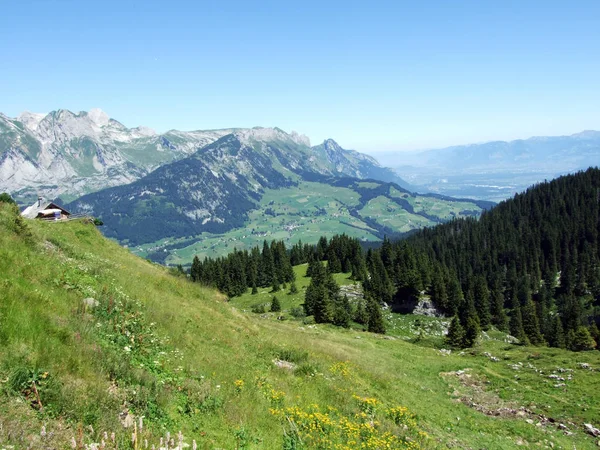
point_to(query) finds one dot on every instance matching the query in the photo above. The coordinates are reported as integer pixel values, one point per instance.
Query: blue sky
(375, 76)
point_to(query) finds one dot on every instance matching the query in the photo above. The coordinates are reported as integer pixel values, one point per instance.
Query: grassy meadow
(92, 338)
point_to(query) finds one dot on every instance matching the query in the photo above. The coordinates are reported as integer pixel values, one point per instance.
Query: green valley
(309, 210)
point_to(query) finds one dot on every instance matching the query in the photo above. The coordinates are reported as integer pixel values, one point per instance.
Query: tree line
(530, 267)
(272, 266)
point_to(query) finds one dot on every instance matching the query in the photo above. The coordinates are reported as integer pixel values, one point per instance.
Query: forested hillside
(531, 264)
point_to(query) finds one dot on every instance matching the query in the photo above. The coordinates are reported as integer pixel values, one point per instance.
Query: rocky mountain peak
(31, 120)
(331, 146)
(270, 134)
(99, 117)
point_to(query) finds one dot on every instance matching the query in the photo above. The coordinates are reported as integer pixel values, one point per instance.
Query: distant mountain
(67, 154)
(215, 189)
(497, 170)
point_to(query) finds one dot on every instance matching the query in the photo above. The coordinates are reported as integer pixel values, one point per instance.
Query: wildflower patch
(369, 426)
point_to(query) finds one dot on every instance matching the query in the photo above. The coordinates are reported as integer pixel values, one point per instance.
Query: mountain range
(499, 169)
(255, 183)
(69, 154)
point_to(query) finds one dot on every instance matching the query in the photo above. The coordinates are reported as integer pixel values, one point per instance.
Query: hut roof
(42, 208)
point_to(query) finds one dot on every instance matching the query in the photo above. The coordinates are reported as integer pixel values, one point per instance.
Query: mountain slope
(158, 346)
(67, 154)
(215, 190)
(497, 170)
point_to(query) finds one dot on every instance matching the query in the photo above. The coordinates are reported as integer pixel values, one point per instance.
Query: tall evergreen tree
(456, 334)
(375, 322)
(557, 334)
(516, 325)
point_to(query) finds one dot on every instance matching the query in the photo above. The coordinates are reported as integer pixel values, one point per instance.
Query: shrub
(292, 355)
(258, 308)
(298, 312)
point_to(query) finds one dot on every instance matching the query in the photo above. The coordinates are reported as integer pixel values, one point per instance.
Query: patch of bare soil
(470, 389)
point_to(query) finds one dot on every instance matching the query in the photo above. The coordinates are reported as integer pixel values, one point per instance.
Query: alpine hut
(43, 209)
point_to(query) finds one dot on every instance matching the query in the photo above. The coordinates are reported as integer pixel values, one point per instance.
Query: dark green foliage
(258, 308)
(275, 287)
(254, 289)
(293, 288)
(472, 330)
(482, 302)
(275, 305)
(511, 257)
(556, 336)
(595, 333)
(342, 312)
(499, 318)
(374, 316)
(456, 334)
(516, 326)
(6, 198)
(360, 315)
(582, 340)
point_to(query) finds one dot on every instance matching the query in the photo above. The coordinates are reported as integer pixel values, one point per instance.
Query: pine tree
(516, 325)
(456, 334)
(342, 312)
(195, 269)
(482, 302)
(375, 318)
(595, 333)
(323, 309)
(275, 305)
(557, 334)
(293, 288)
(275, 287)
(499, 318)
(254, 289)
(360, 315)
(472, 330)
(582, 340)
(530, 323)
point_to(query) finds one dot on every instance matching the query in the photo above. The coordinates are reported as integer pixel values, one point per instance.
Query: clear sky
(374, 75)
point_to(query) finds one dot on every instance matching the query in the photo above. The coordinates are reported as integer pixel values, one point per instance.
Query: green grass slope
(148, 343)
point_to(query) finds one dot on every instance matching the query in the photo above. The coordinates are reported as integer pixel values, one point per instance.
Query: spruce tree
(516, 325)
(595, 333)
(472, 330)
(499, 318)
(456, 334)
(254, 289)
(557, 334)
(275, 305)
(293, 288)
(582, 340)
(482, 302)
(374, 316)
(360, 315)
(322, 309)
(342, 312)
(530, 323)
(275, 287)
